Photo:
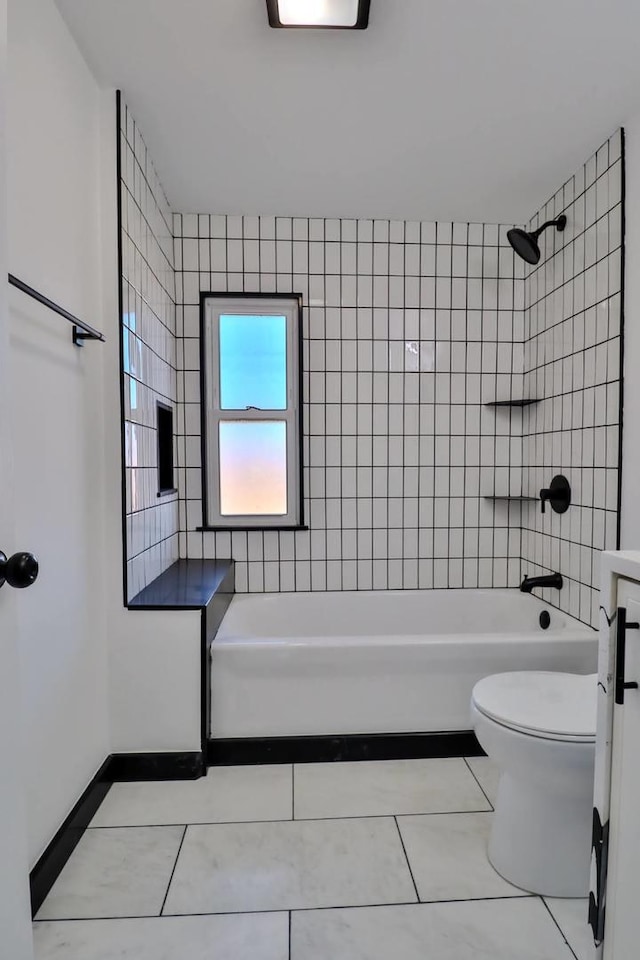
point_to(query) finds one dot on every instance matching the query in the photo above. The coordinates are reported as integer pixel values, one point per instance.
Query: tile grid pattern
(409, 329)
(414, 839)
(149, 356)
(573, 318)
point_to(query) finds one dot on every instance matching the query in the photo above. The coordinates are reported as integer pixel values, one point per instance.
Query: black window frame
(297, 302)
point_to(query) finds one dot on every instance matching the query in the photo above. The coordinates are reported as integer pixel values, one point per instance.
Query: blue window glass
(253, 362)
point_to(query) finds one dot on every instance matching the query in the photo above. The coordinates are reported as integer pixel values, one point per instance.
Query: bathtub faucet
(552, 580)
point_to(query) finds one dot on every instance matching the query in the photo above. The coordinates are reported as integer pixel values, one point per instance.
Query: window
(251, 411)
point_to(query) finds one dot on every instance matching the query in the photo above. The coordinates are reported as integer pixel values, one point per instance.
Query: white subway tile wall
(409, 330)
(573, 325)
(149, 356)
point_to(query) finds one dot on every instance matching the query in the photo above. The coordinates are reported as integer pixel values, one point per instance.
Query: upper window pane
(253, 362)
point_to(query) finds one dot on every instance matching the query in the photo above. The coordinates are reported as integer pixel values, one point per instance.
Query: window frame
(212, 306)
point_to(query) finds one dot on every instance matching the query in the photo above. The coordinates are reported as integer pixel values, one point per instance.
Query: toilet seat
(553, 706)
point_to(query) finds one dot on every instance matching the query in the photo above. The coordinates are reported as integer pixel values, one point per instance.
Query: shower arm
(536, 233)
(559, 223)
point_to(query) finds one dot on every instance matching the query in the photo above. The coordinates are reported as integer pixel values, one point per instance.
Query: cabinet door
(622, 925)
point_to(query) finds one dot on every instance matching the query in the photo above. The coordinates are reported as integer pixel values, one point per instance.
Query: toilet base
(541, 841)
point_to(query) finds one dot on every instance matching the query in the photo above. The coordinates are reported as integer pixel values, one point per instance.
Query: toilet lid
(557, 705)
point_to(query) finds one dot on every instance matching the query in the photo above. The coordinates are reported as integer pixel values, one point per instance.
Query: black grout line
(156, 543)
(238, 823)
(158, 244)
(146, 259)
(448, 497)
(139, 165)
(470, 769)
(324, 365)
(283, 910)
(465, 505)
(289, 934)
(418, 903)
(184, 833)
(562, 933)
(406, 856)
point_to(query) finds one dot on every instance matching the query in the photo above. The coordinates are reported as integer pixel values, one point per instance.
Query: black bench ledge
(186, 585)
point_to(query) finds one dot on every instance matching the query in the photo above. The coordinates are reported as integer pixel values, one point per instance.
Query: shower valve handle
(558, 493)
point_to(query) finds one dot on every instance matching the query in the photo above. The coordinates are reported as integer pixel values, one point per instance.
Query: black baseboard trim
(380, 746)
(117, 767)
(124, 767)
(48, 868)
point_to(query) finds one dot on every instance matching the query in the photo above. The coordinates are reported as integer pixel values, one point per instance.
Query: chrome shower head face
(525, 244)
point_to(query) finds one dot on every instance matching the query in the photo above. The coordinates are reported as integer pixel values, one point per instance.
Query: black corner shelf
(511, 403)
(506, 496)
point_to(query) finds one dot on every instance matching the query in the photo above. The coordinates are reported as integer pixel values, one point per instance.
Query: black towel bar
(81, 330)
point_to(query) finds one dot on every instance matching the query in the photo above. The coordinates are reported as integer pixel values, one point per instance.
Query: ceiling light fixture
(323, 14)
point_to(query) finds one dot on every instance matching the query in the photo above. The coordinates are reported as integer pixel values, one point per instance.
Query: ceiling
(442, 109)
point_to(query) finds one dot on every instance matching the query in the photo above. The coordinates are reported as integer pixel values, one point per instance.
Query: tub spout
(552, 580)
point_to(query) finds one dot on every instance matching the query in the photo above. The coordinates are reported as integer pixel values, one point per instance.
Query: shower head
(526, 244)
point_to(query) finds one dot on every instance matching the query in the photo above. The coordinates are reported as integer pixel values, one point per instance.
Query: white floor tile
(378, 788)
(476, 930)
(280, 866)
(226, 794)
(488, 775)
(571, 916)
(252, 936)
(115, 873)
(448, 857)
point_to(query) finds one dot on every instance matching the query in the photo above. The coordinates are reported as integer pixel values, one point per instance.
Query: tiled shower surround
(148, 356)
(573, 319)
(410, 330)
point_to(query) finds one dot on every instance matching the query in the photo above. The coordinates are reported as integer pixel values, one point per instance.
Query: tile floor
(342, 861)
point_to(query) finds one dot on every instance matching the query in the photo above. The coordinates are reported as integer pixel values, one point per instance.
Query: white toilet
(540, 730)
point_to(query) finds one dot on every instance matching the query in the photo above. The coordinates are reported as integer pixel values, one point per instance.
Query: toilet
(540, 730)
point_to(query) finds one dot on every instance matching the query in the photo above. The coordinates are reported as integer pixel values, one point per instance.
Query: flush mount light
(327, 14)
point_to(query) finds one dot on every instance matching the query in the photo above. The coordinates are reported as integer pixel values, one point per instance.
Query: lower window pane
(253, 468)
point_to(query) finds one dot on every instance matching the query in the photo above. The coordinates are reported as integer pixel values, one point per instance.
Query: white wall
(85, 694)
(631, 432)
(14, 891)
(54, 244)
(155, 680)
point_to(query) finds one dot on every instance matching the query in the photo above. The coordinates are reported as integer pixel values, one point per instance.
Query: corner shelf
(511, 403)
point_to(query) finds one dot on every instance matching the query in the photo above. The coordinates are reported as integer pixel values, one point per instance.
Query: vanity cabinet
(616, 881)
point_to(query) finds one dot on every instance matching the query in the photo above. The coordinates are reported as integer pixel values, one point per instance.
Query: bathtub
(304, 664)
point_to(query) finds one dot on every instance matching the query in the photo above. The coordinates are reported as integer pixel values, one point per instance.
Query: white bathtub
(302, 664)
